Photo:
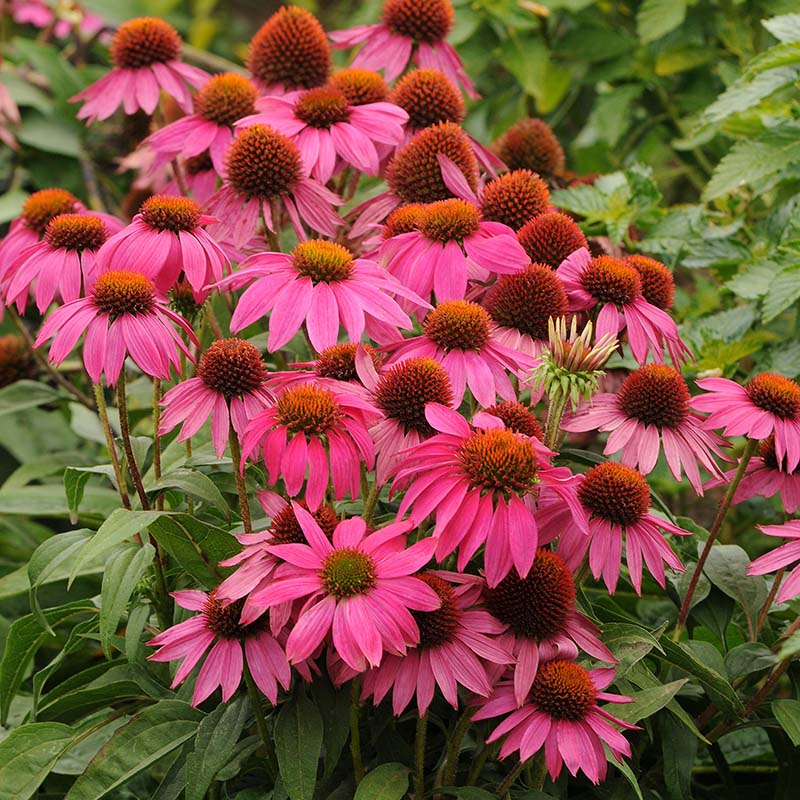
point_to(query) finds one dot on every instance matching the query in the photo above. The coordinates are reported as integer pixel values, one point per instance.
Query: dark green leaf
(787, 712)
(195, 484)
(656, 18)
(748, 658)
(298, 743)
(25, 394)
(386, 782)
(28, 754)
(648, 701)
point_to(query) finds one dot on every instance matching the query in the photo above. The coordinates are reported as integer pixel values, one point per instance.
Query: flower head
(17, 361)
(359, 588)
(531, 144)
(516, 417)
(515, 198)
(121, 316)
(550, 238)
(658, 285)
(218, 630)
(146, 57)
(429, 97)
(361, 86)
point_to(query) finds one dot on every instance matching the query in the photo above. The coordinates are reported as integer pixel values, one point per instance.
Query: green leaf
(679, 751)
(648, 701)
(215, 742)
(28, 754)
(629, 643)
(787, 712)
(744, 94)
(785, 28)
(786, 54)
(333, 705)
(150, 735)
(747, 658)
(25, 394)
(386, 782)
(75, 479)
(623, 767)
(298, 743)
(468, 792)
(528, 59)
(25, 636)
(783, 292)
(51, 134)
(656, 18)
(11, 204)
(194, 483)
(123, 571)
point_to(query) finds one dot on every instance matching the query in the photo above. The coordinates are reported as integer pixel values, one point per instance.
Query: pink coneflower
(402, 393)
(229, 388)
(218, 630)
(516, 417)
(616, 287)
(482, 485)
(450, 247)
(58, 265)
(618, 501)
(264, 173)
(120, 316)
(455, 642)
(329, 130)
(221, 101)
(409, 29)
(164, 239)
(41, 15)
(781, 557)
(542, 619)
(651, 410)
(200, 178)
(317, 429)
(359, 588)
(145, 53)
(561, 715)
(765, 476)
(460, 336)
(320, 284)
(768, 404)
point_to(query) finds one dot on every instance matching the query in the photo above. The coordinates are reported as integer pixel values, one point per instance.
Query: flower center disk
(118, 293)
(360, 86)
(531, 144)
(776, 394)
(232, 367)
(323, 262)
(458, 325)
(226, 98)
(168, 213)
(339, 362)
(16, 360)
(262, 163)
(224, 620)
(499, 460)
(76, 232)
(144, 41)
(347, 572)
(517, 417)
(610, 280)
(538, 605)
(658, 285)
(406, 388)
(427, 21)
(42, 206)
(322, 107)
(437, 627)
(515, 198)
(404, 219)
(564, 690)
(449, 220)
(428, 96)
(616, 493)
(285, 528)
(308, 409)
(655, 395)
(550, 238)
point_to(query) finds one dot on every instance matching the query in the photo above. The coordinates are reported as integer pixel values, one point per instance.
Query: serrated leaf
(150, 735)
(298, 744)
(783, 292)
(656, 18)
(754, 282)
(786, 54)
(787, 712)
(744, 94)
(28, 754)
(386, 782)
(785, 28)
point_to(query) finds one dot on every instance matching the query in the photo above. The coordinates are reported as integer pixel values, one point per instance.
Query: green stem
(371, 501)
(102, 412)
(125, 432)
(419, 749)
(479, 762)
(762, 617)
(355, 734)
(552, 425)
(241, 484)
(156, 438)
(749, 450)
(454, 746)
(261, 723)
(509, 780)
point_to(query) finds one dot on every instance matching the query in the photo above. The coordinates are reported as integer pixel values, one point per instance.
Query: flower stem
(419, 749)
(454, 746)
(125, 432)
(509, 780)
(156, 438)
(762, 617)
(749, 450)
(478, 763)
(370, 501)
(241, 484)
(355, 734)
(261, 722)
(102, 412)
(552, 425)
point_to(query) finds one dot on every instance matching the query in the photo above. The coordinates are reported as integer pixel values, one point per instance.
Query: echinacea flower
(516, 417)
(522, 304)
(220, 102)
(61, 264)
(780, 558)
(543, 623)
(455, 643)
(315, 429)
(167, 238)
(550, 238)
(531, 144)
(460, 336)
(768, 405)
(560, 715)
(515, 198)
(146, 57)
(218, 631)
(616, 287)
(409, 29)
(652, 411)
(765, 476)
(618, 501)
(482, 486)
(329, 131)
(360, 588)
(120, 316)
(289, 51)
(451, 246)
(658, 285)
(322, 285)
(17, 361)
(61, 20)
(264, 173)
(360, 86)
(229, 388)
(402, 392)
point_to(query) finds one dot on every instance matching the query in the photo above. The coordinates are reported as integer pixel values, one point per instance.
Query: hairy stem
(419, 762)
(355, 733)
(509, 780)
(241, 484)
(111, 446)
(454, 746)
(552, 425)
(261, 722)
(125, 432)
